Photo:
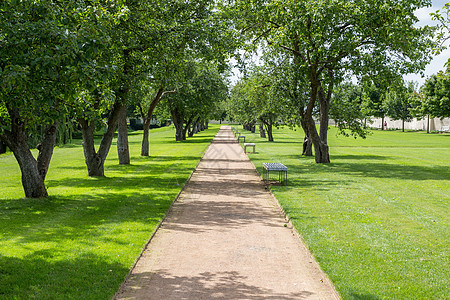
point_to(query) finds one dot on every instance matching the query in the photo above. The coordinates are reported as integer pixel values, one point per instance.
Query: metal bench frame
(275, 167)
(249, 145)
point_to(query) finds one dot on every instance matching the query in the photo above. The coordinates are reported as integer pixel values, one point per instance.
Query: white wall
(435, 124)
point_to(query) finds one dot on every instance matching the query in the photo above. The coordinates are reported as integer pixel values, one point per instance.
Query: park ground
(376, 218)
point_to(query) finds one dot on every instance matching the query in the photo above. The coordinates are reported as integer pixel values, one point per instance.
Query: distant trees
(400, 101)
(254, 100)
(436, 95)
(201, 88)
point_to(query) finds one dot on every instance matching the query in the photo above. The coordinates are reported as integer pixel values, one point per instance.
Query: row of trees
(312, 48)
(89, 60)
(86, 60)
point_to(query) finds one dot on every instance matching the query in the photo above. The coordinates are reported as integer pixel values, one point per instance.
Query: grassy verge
(81, 242)
(377, 217)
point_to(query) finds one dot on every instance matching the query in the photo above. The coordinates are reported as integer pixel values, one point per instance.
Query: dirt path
(224, 238)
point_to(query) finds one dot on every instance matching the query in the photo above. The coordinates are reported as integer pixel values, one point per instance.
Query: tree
(443, 28)
(436, 92)
(256, 99)
(181, 30)
(195, 101)
(399, 103)
(337, 39)
(42, 60)
(347, 109)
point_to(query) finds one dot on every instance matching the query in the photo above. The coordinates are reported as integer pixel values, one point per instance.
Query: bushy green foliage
(436, 95)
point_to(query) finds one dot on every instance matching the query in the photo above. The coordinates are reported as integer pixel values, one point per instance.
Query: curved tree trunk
(32, 181)
(123, 150)
(92, 159)
(307, 141)
(33, 171)
(95, 160)
(320, 148)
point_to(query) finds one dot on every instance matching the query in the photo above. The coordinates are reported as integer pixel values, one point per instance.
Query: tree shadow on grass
(380, 170)
(364, 166)
(38, 276)
(80, 218)
(359, 296)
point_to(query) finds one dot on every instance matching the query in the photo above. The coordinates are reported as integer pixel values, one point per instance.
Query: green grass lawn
(377, 217)
(81, 241)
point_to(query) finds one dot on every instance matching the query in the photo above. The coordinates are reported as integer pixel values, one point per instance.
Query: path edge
(160, 224)
(295, 231)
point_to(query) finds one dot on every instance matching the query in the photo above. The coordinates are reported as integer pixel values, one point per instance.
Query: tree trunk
(145, 148)
(46, 149)
(95, 160)
(320, 148)
(262, 132)
(33, 171)
(428, 123)
(195, 125)
(307, 141)
(148, 117)
(32, 181)
(178, 121)
(403, 125)
(123, 150)
(123, 94)
(269, 129)
(382, 123)
(92, 159)
(2, 147)
(178, 131)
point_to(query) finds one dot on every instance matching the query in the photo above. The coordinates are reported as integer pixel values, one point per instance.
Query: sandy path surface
(224, 238)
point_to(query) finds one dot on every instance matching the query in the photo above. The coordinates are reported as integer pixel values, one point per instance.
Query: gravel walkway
(225, 238)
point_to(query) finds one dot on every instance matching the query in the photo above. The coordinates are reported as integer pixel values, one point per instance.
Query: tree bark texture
(33, 170)
(307, 142)
(178, 120)
(269, 130)
(320, 149)
(262, 132)
(95, 160)
(123, 150)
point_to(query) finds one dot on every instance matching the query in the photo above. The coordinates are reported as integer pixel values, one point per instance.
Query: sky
(436, 64)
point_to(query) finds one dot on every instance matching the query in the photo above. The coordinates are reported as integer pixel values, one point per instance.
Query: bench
(236, 133)
(241, 137)
(275, 167)
(445, 128)
(249, 145)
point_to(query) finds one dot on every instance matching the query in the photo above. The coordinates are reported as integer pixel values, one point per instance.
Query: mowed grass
(377, 217)
(81, 242)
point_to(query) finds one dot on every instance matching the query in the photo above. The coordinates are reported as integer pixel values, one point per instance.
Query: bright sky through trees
(438, 61)
(433, 67)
